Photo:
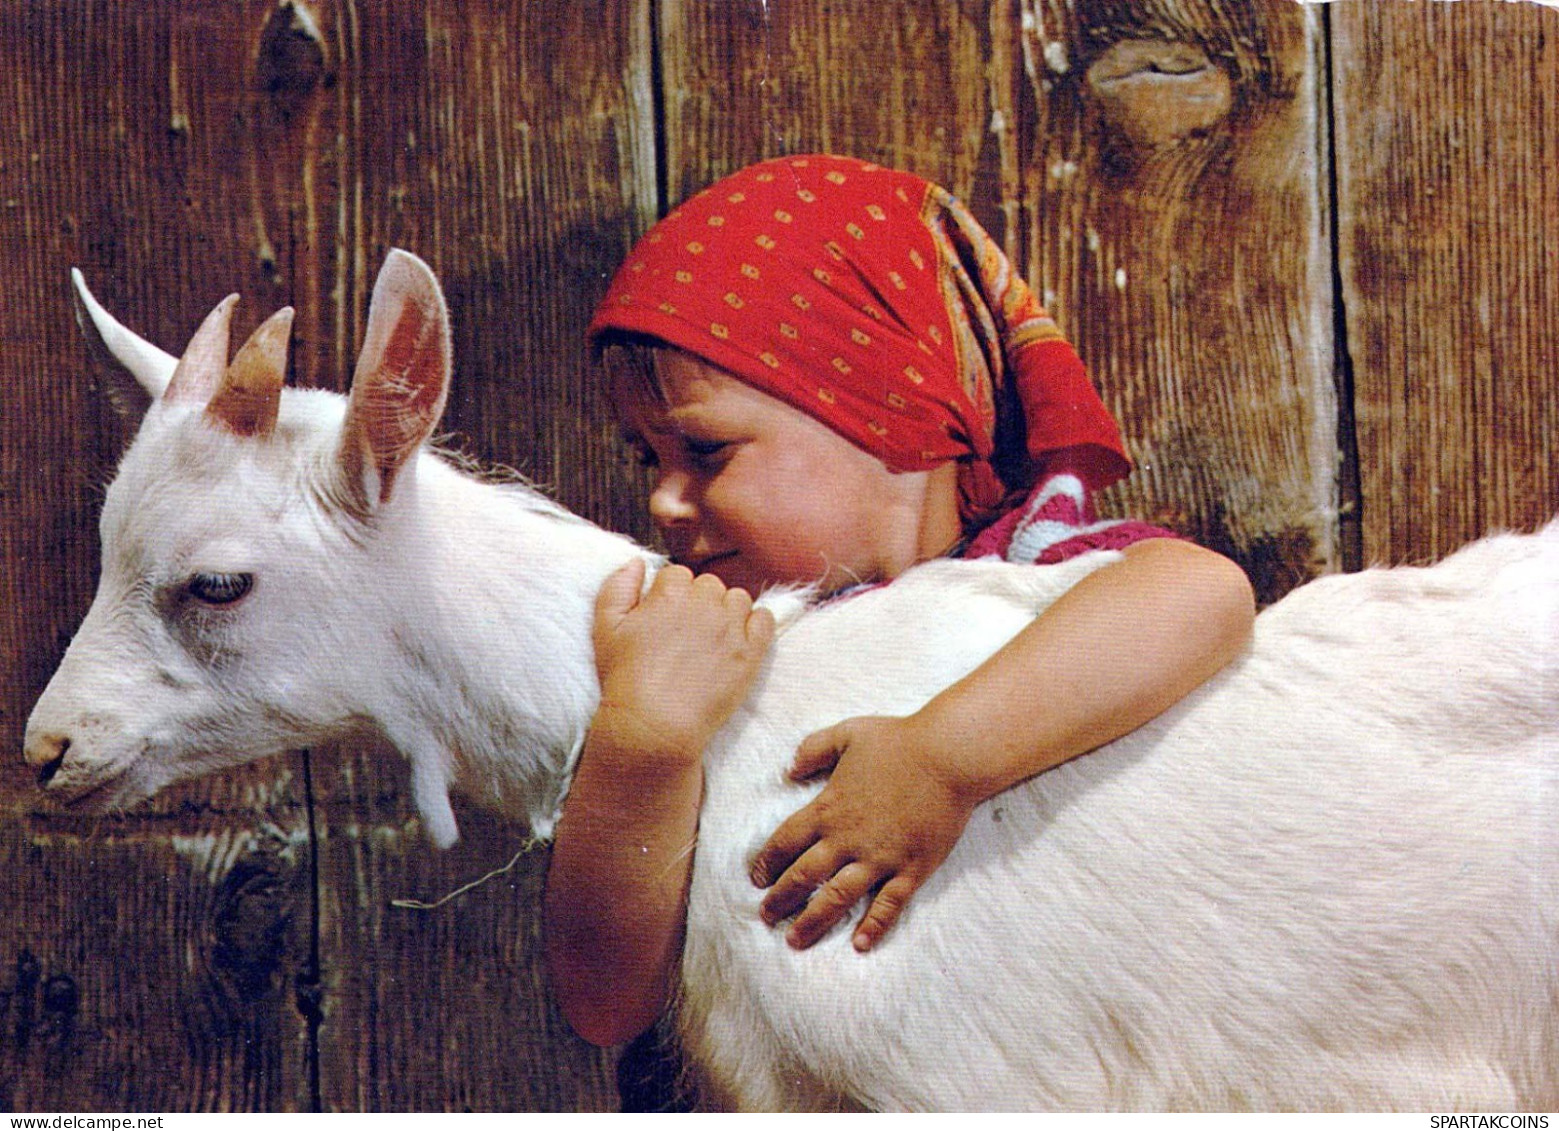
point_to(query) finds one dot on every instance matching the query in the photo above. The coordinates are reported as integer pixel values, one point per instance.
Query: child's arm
(673, 667)
(1124, 644)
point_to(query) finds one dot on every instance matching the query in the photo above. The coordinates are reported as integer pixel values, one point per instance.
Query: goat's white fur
(1328, 879)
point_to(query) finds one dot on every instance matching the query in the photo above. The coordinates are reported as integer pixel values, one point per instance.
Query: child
(836, 375)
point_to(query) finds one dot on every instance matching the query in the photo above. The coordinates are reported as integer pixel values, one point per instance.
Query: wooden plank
(1174, 215)
(154, 964)
(453, 149)
(177, 153)
(159, 953)
(445, 1008)
(1234, 420)
(1448, 227)
(908, 86)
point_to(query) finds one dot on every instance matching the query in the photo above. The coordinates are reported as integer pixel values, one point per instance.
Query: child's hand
(885, 821)
(675, 664)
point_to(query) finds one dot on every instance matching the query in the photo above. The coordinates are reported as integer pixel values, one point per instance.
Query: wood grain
(1448, 229)
(445, 1008)
(751, 79)
(1173, 204)
(152, 964)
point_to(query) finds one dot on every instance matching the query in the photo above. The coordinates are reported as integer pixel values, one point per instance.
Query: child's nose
(671, 502)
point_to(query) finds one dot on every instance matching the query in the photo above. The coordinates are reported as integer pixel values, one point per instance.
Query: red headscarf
(871, 300)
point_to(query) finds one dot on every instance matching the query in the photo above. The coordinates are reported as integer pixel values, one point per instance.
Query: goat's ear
(248, 398)
(200, 371)
(137, 371)
(401, 382)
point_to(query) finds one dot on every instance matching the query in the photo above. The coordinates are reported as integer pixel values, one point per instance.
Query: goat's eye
(219, 588)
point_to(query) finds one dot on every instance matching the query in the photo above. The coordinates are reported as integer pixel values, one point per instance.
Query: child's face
(758, 493)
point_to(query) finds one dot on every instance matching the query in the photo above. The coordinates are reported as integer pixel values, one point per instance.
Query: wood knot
(252, 923)
(1154, 92)
(291, 61)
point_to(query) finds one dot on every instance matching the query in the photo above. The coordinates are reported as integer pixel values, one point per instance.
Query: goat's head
(238, 538)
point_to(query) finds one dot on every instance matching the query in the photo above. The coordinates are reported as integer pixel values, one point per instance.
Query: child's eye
(705, 452)
(643, 454)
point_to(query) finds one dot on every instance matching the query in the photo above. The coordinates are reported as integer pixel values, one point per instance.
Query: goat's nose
(47, 752)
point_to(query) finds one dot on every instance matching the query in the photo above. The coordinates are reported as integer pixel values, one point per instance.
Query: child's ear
(401, 383)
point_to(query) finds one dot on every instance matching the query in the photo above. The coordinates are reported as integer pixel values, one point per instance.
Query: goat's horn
(247, 400)
(150, 366)
(204, 362)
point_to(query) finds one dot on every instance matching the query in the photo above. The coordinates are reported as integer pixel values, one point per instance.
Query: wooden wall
(1310, 253)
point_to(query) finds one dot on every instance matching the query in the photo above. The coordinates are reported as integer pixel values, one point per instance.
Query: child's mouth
(701, 565)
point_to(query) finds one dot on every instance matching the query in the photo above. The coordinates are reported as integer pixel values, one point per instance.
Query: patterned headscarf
(873, 301)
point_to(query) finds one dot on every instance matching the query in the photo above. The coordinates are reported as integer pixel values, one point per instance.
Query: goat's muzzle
(47, 752)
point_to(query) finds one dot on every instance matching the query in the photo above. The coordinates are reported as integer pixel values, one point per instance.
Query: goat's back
(1327, 879)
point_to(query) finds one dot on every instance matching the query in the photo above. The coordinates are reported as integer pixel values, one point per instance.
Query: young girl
(836, 375)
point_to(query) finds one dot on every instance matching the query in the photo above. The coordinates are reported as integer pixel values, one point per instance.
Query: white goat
(1328, 879)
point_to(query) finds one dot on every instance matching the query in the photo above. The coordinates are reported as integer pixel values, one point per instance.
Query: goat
(1327, 879)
